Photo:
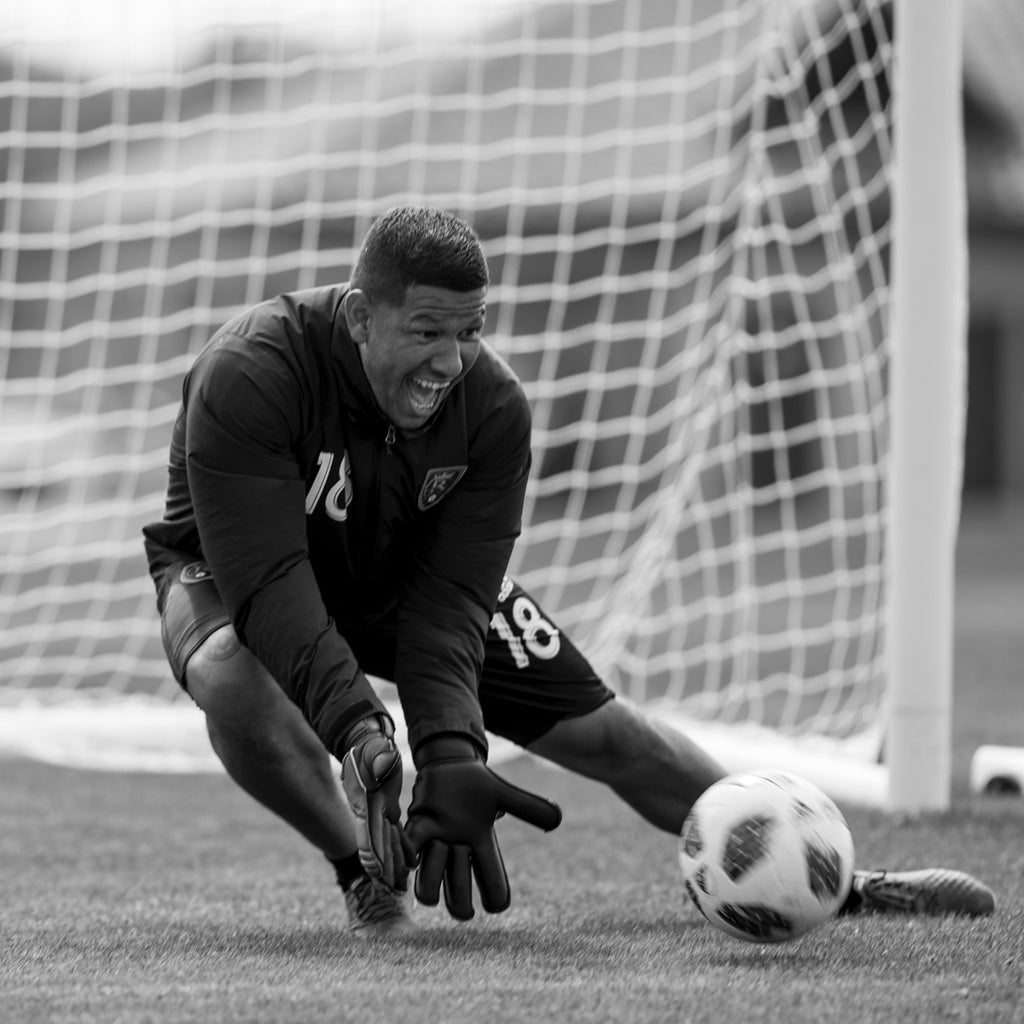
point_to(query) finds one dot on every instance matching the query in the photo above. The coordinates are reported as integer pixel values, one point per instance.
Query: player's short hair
(410, 245)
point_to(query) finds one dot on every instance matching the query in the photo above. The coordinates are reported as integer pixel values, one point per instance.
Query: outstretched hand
(455, 801)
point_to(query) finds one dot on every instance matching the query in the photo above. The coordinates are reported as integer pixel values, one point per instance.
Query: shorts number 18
(535, 634)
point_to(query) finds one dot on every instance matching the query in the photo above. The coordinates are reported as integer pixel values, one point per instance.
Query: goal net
(687, 211)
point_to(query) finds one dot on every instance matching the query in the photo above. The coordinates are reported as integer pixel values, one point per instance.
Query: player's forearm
(253, 535)
(315, 666)
(443, 618)
(438, 671)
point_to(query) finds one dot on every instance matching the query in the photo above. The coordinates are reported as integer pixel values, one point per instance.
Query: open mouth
(425, 394)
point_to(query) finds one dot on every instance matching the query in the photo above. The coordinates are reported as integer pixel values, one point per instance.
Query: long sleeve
(244, 415)
(452, 587)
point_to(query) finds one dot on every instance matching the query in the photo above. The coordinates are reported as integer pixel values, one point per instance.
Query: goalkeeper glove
(371, 776)
(455, 801)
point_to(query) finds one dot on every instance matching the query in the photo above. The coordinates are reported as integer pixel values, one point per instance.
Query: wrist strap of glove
(373, 725)
(447, 746)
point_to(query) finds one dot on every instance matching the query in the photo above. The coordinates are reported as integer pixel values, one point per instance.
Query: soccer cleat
(375, 911)
(931, 891)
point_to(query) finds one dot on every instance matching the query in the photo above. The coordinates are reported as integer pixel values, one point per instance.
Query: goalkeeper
(346, 482)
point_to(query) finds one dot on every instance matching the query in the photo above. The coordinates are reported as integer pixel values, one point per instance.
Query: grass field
(159, 898)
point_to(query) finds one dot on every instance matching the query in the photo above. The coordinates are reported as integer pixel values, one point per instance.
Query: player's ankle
(347, 869)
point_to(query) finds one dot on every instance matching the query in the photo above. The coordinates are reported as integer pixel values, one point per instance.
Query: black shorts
(533, 675)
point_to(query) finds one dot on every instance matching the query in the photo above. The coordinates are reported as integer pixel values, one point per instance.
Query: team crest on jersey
(195, 572)
(437, 483)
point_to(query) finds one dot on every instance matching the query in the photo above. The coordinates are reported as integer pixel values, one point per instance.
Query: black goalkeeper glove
(371, 775)
(455, 801)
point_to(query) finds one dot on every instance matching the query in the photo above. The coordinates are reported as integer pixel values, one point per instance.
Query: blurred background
(686, 262)
(104, 70)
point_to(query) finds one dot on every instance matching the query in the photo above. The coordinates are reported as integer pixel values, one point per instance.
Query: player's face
(414, 354)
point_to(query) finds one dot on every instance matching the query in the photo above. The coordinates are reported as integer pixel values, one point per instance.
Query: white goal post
(727, 248)
(928, 400)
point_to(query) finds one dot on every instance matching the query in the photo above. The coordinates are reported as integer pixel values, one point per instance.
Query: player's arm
(459, 560)
(444, 616)
(244, 416)
(244, 408)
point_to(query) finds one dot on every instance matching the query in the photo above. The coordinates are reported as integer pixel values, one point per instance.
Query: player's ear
(356, 306)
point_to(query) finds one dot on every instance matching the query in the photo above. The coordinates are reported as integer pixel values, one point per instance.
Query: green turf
(161, 898)
(174, 898)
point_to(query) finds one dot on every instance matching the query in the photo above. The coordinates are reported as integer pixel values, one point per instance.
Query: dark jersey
(323, 524)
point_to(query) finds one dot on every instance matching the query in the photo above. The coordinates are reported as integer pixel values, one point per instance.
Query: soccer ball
(766, 856)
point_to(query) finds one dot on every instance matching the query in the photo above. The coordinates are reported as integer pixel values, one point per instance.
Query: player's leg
(260, 737)
(266, 745)
(263, 740)
(538, 690)
(657, 770)
(660, 774)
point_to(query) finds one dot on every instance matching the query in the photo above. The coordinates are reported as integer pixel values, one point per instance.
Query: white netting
(686, 208)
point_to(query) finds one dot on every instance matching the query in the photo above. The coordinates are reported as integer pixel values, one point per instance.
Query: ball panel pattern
(763, 924)
(746, 845)
(824, 870)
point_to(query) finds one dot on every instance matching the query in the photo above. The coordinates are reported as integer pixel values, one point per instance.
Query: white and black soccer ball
(766, 856)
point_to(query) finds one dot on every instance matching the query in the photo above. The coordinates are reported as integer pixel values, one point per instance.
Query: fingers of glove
(380, 839)
(433, 859)
(491, 878)
(368, 857)
(534, 810)
(381, 843)
(391, 793)
(384, 763)
(399, 866)
(408, 850)
(420, 829)
(379, 858)
(458, 883)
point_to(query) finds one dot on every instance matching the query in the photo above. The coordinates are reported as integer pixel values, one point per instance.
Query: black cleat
(376, 911)
(930, 891)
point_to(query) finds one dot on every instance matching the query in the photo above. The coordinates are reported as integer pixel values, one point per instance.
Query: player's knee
(618, 743)
(599, 744)
(623, 738)
(246, 711)
(217, 669)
